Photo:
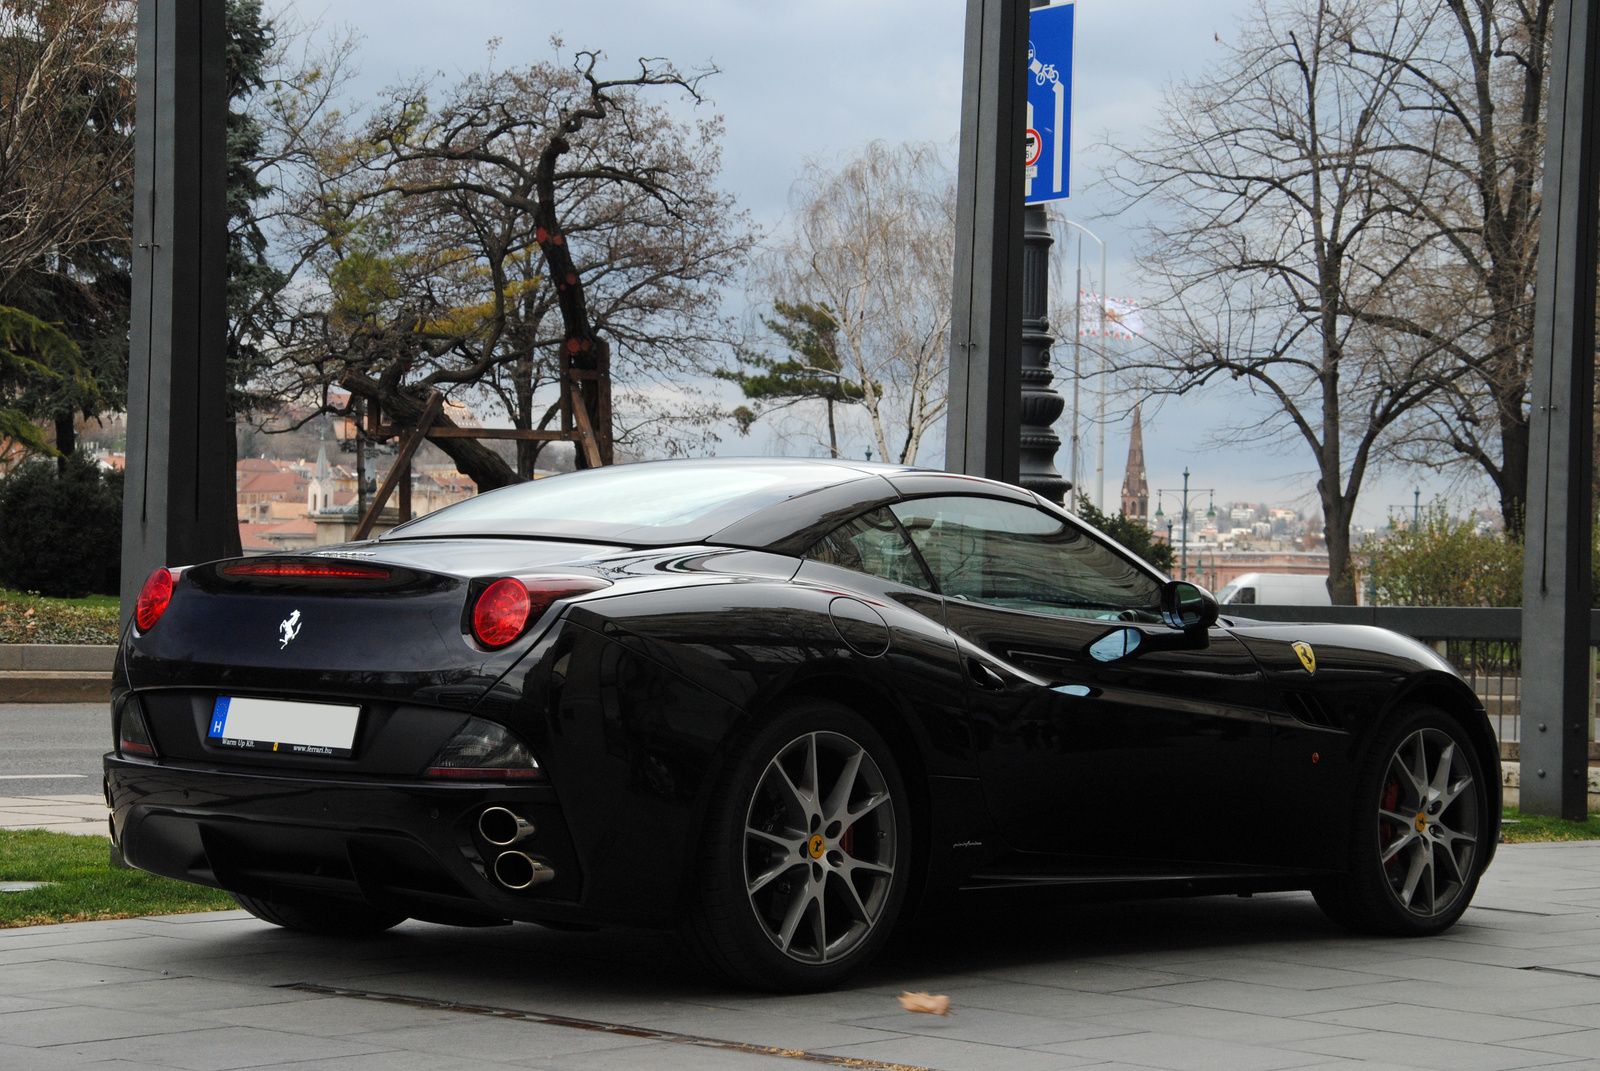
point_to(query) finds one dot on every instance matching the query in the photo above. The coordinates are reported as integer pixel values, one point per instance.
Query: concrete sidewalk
(60, 814)
(1218, 983)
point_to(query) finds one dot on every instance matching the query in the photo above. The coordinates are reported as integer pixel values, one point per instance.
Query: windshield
(659, 502)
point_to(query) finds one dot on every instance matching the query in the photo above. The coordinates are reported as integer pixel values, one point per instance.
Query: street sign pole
(178, 492)
(1045, 179)
(985, 398)
(1556, 583)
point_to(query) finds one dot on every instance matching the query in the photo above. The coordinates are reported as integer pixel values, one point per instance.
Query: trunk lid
(390, 621)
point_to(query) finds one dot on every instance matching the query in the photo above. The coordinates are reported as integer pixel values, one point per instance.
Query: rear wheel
(1419, 831)
(803, 868)
(321, 915)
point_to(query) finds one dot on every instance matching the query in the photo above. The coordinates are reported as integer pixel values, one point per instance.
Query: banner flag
(1124, 319)
(1109, 316)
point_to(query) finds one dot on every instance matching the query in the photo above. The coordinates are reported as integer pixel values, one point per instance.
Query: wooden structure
(576, 427)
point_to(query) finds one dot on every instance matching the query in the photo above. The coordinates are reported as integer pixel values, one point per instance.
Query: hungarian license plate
(284, 727)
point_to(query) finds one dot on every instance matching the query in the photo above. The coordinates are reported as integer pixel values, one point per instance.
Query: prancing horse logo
(1308, 657)
(288, 629)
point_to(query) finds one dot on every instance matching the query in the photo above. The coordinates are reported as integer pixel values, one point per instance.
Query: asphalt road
(52, 749)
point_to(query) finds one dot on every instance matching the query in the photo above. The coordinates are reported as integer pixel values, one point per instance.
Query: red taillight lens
(153, 599)
(293, 570)
(506, 606)
(500, 613)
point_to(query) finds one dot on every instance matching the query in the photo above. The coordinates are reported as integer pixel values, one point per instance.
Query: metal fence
(1483, 644)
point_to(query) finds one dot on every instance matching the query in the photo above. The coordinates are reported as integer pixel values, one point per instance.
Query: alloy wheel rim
(1429, 810)
(819, 847)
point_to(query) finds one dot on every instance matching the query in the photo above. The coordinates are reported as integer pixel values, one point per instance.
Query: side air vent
(1308, 707)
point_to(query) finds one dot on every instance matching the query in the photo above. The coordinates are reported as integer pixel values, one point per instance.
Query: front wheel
(805, 859)
(1420, 831)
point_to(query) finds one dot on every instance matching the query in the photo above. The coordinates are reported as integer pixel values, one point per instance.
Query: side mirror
(1188, 607)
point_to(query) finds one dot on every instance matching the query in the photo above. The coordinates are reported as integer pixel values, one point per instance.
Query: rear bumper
(409, 847)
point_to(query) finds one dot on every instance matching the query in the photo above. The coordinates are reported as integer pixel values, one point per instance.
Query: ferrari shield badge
(1308, 657)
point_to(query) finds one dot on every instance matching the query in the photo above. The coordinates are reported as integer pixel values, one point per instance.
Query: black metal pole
(1185, 573)
(1041, 403)
(1556, 584)
(986, 298)
(178, 498)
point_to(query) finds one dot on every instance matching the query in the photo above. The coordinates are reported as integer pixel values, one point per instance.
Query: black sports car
(776, 704)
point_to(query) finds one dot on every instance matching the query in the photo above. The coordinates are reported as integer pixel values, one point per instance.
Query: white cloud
(825, 76)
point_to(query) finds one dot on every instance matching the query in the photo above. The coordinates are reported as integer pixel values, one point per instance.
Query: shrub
(61, 528)
(31, 619)
(1440, 562)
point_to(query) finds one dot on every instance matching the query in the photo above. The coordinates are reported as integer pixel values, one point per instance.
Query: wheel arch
(864, 697)
(1455, 699)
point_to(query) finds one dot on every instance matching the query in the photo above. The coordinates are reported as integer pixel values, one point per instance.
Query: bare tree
(873, 242)
(66, 75)
(1286, 242)
(1476, 96)
(533, 211)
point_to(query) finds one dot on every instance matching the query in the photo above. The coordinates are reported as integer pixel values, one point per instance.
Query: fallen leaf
(927, 1005)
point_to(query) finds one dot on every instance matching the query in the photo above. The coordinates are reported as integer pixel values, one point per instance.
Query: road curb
(56, 672)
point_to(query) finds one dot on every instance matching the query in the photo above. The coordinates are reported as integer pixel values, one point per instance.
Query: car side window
(1020, 557)
(872, 543)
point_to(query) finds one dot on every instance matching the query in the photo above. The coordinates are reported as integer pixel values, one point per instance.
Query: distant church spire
(1135, 486)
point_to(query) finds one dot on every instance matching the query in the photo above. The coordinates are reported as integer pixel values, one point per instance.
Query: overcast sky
(804, 78)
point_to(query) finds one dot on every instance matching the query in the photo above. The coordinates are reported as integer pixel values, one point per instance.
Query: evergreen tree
(254, 284)
(66, 309)
(61, 531)
(1130, 532)
(811, 372)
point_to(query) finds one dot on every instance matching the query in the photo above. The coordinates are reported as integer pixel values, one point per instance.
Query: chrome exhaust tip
(516, 870)
(501, 826)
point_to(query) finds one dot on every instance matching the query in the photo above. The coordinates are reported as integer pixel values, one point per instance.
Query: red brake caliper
(1386, 830)
(848, 841)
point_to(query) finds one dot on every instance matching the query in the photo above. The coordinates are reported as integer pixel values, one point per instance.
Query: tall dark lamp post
(1042, 404)
(1211, 512)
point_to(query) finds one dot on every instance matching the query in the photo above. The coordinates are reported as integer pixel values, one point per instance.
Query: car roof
(778, 504)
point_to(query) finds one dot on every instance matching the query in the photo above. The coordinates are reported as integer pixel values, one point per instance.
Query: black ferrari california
(778, 705)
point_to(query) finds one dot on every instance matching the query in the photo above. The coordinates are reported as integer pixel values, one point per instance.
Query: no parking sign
(1049, 135)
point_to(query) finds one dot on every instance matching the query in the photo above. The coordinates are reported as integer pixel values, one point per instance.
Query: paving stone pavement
(1186, 985)
(81, 814)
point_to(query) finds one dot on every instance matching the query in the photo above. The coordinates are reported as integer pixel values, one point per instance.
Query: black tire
(1419, 830)
(762, 870)
(325, 915)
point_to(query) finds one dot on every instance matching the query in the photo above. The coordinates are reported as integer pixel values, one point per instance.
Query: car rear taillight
(501, 612)
(298, 570)
(484, 751)
(153, 599)
(505, 607)
(133, 736)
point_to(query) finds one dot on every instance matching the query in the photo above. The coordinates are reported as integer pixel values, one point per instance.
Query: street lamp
(1211, 513)
(1077, 372)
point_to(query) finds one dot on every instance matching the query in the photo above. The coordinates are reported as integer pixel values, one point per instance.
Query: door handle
(984, 677)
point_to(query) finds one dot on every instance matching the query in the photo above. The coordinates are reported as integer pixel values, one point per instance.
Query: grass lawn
(28, 618)
(1519, 828)
(86, 885)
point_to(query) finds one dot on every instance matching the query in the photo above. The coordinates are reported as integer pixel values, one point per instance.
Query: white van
(1278, 589)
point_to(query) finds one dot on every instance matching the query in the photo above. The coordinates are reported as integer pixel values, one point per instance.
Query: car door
(1101, 732)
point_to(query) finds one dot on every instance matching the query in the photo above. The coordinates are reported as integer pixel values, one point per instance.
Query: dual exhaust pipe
(503, 827)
